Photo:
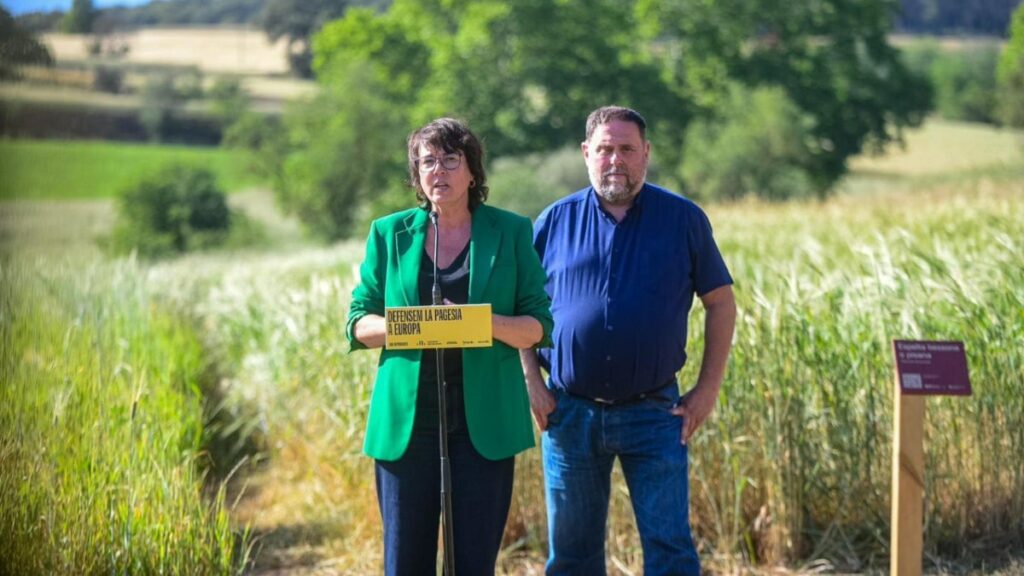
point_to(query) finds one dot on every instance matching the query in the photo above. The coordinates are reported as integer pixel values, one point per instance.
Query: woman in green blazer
(484, 255)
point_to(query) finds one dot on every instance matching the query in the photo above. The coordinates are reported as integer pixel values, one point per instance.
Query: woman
(484, 255)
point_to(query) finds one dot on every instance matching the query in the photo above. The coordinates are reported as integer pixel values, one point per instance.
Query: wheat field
(246, 353)
(211, 49)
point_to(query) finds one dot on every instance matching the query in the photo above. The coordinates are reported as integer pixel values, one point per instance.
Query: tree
(965, 84)
(345, 153)
(297, 21)
(163, 95)
(186, 12)
(755, 145)
(519, 72)
(520, 75)
(229, 100)
(1010, 73)
(18, 47)
(173, 210)
(79, 19)
(525, 72)
(265, 142)
(832, 58)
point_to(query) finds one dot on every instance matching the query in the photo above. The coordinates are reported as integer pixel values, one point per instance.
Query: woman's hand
(371, 330)
(516, 331)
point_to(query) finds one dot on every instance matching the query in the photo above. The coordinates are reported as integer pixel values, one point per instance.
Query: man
(624, 259)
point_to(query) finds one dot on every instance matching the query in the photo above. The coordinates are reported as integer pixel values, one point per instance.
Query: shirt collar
(637, 206)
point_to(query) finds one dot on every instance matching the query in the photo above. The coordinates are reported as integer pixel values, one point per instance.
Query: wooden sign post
(907, 485)
(922, 368)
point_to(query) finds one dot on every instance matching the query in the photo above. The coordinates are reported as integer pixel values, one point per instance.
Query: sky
(21, 6)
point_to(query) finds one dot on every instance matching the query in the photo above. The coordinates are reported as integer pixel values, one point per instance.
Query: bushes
(163, 97)
(344, 150)
(1010, 74)
(108, 79)
(528, 184)
(19, 46)
(963, 79)
(965, 85)
(759, 144)
(176, 209)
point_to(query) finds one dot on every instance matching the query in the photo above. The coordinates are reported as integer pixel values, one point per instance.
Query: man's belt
(658, 392)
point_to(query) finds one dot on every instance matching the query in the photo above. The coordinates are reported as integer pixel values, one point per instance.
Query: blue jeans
(409, 496)
(580, 445)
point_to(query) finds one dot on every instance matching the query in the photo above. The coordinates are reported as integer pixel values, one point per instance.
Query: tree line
(978, 17)
(985, 17)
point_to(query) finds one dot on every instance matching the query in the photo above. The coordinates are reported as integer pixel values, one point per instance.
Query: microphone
(435, 290)
(442, 409)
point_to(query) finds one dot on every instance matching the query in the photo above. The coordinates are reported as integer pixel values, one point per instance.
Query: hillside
(155, 13)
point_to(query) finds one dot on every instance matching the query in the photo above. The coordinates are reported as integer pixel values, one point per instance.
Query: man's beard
(617, 192)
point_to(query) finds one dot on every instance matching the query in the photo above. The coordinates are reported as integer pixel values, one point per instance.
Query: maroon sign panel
(928, 367)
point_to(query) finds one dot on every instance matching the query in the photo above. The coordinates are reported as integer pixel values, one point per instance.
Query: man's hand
(695, 406)
(542, 401)
(719, 323)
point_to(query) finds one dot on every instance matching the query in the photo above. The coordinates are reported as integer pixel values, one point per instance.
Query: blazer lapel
(483, 251)
(409, 242)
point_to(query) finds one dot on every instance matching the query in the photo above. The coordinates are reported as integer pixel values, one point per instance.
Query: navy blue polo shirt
(621, 291)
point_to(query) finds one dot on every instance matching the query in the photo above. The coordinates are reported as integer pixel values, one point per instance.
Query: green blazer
(505, 271)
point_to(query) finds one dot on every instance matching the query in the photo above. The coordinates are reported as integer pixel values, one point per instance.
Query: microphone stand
(442, 406)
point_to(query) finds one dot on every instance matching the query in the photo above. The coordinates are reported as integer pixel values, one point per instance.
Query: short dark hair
(450, 135)
(606, 114)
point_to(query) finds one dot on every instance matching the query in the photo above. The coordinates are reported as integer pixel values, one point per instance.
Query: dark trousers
(409, 495)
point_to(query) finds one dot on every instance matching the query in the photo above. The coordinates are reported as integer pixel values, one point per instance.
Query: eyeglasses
(427, 164)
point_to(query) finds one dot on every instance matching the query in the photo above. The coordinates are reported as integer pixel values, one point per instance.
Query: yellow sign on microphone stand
(455, 326)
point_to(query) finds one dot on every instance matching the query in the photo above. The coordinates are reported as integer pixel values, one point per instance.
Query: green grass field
(792, 469)
(944, 147)
(76, 170)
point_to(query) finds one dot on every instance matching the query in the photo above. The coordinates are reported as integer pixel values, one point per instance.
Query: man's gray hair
(606, 114)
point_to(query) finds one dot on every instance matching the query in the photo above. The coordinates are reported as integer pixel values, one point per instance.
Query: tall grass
(795, 463)
(793, 466)
(101, 430)
(276, 325)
